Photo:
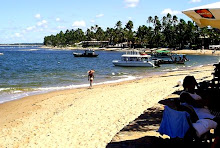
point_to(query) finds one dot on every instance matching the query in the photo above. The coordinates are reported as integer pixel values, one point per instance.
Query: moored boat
(87, 53)
(174, 59)
(135, 59)
(165, 53)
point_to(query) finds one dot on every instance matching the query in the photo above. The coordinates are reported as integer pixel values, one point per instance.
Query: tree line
(168, 32)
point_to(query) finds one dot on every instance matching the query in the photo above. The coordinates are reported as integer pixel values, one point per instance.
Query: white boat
(1, 53)
(135, 59)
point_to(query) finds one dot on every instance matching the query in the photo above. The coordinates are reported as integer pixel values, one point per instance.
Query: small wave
(15, 90)
(118, 73)
(62, 87)
(200, 65)
(30, 50)
(166, 70)
(13, 94)
(118, 80)
(169, 70)
(4, 89)
(175, 69)
(121, 78)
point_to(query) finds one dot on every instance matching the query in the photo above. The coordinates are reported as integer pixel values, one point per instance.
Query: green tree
(128, 32)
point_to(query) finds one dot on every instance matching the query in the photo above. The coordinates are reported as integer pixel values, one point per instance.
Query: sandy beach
(84, 117)
(198, 52)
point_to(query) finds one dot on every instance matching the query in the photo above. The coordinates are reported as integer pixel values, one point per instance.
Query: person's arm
(185, 97)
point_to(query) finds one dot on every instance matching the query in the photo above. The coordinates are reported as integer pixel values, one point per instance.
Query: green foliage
(165, 32)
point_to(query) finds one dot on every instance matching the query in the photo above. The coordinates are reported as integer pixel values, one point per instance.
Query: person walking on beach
(91, 76)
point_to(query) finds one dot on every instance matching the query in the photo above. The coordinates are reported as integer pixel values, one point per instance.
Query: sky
(29, 21)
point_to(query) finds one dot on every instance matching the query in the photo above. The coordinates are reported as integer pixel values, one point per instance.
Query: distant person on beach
(213, 51)
(91, 76)
(184, 58)
(205, 120)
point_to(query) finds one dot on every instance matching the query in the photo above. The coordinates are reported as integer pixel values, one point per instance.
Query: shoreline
(43, 90)
(46, 90)
(183, 51)
(85, 117)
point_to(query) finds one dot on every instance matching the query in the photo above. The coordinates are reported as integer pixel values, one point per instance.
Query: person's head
(91, 71)
(189, 83)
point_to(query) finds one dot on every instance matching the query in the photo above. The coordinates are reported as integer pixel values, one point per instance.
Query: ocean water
(29, 70)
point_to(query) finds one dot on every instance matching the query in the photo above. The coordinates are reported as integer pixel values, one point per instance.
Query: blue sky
(28, 21)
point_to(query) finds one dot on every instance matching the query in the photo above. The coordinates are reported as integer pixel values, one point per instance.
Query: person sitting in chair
(188, 96)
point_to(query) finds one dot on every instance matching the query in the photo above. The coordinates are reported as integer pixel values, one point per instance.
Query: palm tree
(141, 34)
(155, 20)
(165, 32)
(181, 33)
(118, 32)
(174, 20)
(129, 25)
(149, 20)
(110, 35)
(129, 33)
(100, 34)
(118, 25)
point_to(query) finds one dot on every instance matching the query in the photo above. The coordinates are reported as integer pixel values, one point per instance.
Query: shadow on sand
(156, 142)
(150, 121)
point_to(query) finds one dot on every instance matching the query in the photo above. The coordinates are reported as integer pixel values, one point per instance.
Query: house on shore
(94, 43)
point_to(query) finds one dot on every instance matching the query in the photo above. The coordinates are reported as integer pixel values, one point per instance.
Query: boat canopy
(136, 56)
(163, 51)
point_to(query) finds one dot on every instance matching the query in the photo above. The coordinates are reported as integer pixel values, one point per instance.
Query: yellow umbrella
(206, 15)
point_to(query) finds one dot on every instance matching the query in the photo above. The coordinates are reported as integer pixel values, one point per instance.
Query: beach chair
(178, 123)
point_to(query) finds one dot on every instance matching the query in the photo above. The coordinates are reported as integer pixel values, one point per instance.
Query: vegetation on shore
(166, 32)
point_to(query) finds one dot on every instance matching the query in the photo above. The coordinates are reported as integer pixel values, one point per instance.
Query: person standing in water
(91, 76)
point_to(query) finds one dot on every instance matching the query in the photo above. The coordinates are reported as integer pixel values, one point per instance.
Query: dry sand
(85, 118)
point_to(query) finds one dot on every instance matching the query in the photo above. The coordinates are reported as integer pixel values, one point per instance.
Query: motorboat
(135, 59)
(1, 53)
(87, 53)
(174, 59)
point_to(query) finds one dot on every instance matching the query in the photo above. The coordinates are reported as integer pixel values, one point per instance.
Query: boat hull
(133, 63)
(84, 55)
(170, 62)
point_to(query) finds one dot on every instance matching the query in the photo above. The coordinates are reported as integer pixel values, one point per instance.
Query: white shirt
(201, 112)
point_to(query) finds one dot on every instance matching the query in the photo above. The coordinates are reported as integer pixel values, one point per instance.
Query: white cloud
(172, 12)
(99, 15)
(30, 28)
(42, 23)
(39, 27)
(57, 19)
(195, 1)
(37, 16)
(79, 24)
(92, 21)
(131, 3)
(17, 35)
